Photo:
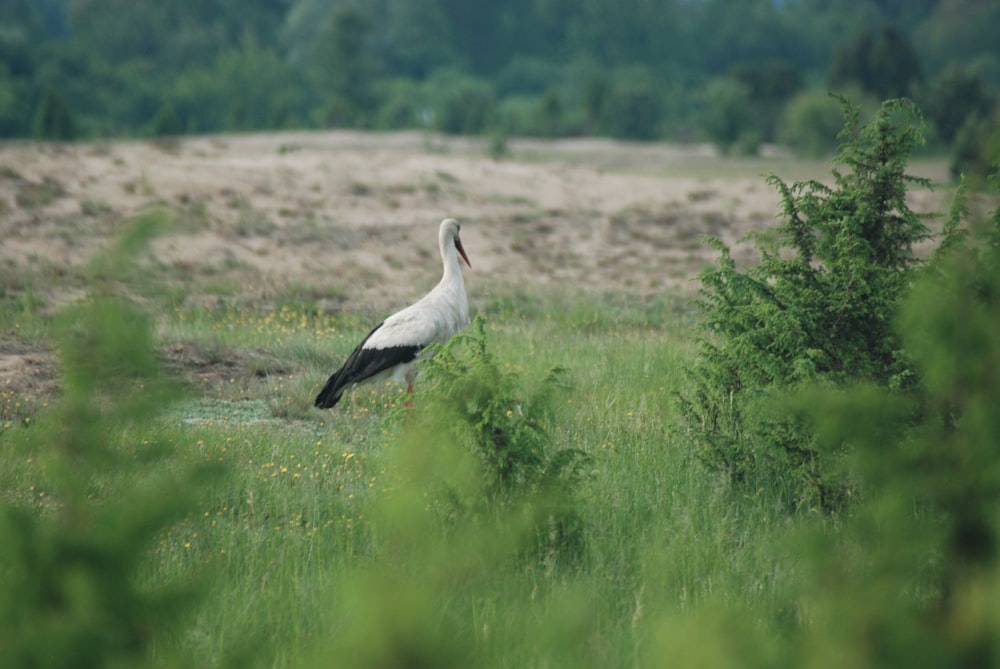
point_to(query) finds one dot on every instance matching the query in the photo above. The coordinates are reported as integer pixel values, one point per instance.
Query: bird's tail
(330, 395)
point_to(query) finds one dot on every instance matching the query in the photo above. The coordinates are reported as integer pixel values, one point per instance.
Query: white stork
(391, 348)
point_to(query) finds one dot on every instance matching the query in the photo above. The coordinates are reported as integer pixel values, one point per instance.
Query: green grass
(288, 530)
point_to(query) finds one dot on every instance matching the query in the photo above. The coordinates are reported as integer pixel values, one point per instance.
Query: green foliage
(811, 123)
(118, 63)
(14, 112)
(549, 115)
(956, 32)
(343, 68)
(17, 89)
(73, 555)
(480, 404)
(246, 87)
(884, 64)
(176, 36)
(951, 99)
(498, 144)
(921, 550)
(976, 153)
(401, 104)
(596, 91)
(420, 43)
(167, 122)
(817, 308)
(949, 326)
(53, 119)
(631, 109)
(726, 114)
(771, 85)
(466, 106)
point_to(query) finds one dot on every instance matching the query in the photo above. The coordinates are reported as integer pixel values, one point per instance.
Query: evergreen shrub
(818, 307)
(483, 407)
(75, 554)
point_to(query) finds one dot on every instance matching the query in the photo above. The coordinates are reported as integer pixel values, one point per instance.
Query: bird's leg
(409, 391)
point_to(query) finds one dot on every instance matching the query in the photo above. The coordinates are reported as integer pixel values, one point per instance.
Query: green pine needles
(922, 550)
(74, 556)
(486, 409)
(818, 308)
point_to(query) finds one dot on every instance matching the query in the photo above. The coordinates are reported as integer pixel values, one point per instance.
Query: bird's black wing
(361, 365)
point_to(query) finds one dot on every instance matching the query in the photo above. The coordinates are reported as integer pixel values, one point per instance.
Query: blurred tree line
(736, 72)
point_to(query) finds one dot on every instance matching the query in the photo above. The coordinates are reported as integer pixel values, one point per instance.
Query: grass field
(310, 544)
(294, 523)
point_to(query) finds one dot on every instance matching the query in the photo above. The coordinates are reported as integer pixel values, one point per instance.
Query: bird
(392, 347)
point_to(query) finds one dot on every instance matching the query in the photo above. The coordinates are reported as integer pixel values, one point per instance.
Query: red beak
(458, 245)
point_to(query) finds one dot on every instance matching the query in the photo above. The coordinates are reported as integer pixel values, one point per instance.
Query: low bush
(483, 409)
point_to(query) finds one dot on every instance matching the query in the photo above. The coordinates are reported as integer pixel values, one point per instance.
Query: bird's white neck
(449, 257)
(452, 271)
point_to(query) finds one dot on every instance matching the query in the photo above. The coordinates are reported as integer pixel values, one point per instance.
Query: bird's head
(450, 231)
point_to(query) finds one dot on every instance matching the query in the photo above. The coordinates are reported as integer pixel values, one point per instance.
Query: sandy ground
(351, 218)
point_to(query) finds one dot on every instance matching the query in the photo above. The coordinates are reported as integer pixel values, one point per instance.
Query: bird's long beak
(458, 245)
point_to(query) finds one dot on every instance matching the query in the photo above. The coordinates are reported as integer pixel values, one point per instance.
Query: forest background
(737, 73)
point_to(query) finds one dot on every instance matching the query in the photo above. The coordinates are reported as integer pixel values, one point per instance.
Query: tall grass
(316, 541)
